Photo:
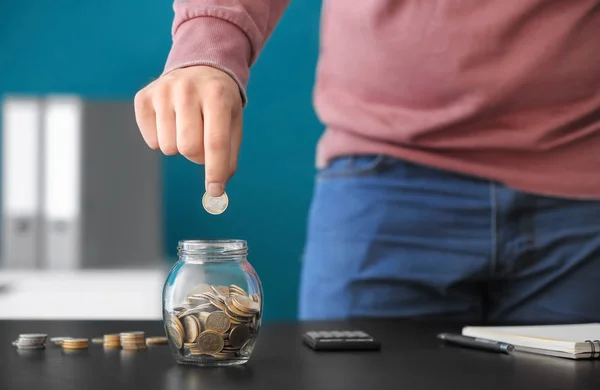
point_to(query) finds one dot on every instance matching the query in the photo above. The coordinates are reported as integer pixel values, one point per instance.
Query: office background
(110, 49)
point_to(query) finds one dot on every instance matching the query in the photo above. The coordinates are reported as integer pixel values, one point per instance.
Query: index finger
(217, 146)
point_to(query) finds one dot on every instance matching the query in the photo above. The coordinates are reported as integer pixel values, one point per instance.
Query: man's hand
(197, 112)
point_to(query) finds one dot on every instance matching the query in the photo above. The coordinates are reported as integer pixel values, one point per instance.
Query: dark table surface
(411, 358)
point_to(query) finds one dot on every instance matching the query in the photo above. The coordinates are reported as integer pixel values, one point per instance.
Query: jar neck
(202, 251)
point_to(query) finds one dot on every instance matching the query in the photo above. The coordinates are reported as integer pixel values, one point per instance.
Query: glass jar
(212, 303)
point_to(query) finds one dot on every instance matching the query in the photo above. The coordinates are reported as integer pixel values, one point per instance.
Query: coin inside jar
(234, 311)
(226, 314)
(175, 330)
(239, 335)
(215, 205)
(218, 321)
(221, 290)
(236, 290)
(191, 326)
(210, 342)
(200, 288)
(245, 304)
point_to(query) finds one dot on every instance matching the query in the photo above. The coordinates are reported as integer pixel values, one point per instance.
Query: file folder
(101, 192)
(62, 127)
(21, 140)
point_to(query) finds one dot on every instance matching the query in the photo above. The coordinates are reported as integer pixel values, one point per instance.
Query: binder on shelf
(21, 147)
(101, 192)
(62, 129)
(79, 188)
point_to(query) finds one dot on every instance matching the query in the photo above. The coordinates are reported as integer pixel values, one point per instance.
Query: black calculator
(341, 340)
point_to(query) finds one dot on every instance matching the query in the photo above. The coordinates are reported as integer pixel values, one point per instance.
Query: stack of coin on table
(217, 321)
(59, 340)
(133, 340)
(112, 340)
(127, 340)
(31, 341)
(71, 344)
(158, 340)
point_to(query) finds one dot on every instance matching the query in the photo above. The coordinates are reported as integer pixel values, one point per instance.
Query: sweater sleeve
(225, 34)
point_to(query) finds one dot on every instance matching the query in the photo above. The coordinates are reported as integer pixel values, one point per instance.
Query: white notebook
(579, 341)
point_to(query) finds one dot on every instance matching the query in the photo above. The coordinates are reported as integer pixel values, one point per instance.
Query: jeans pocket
(352, 166)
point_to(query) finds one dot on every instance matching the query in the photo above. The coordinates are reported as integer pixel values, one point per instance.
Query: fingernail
(214, 189)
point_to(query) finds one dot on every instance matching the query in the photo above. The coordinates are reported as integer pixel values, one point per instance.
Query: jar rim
(218, 248)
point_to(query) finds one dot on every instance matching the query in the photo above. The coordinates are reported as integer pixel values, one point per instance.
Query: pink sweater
(501, 89)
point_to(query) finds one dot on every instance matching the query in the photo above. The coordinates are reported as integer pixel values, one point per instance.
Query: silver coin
(194, 300)
(199, 289)
(31, 346)
(215, 205)
(27, 342)
(33, 336)
(208, 296)
(133, 333)
(194, 310)
(55, 339)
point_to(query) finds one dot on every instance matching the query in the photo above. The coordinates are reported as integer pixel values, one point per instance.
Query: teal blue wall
(111, 48)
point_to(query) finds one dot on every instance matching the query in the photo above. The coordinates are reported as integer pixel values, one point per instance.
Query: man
(459, 168)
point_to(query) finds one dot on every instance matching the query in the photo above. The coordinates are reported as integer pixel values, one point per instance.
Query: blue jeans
(388, 238)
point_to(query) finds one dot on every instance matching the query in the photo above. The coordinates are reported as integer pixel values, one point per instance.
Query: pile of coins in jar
(217, 321)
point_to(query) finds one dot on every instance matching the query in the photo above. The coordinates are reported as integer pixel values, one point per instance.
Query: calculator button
(313, 335)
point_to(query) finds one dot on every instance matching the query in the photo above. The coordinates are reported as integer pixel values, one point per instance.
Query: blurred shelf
(83, 294)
